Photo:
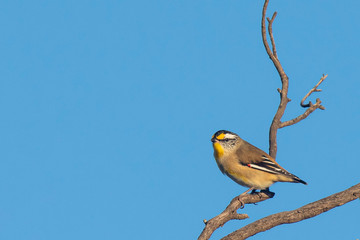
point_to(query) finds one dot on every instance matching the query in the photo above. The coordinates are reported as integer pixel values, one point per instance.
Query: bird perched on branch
(246, 164)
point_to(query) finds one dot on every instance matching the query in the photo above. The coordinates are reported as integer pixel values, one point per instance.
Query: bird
(246, 164)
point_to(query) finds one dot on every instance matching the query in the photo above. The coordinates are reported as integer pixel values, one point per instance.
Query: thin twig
(305, 212)
(311, 107)
(308, 111)
(270, 21)
(263, 30)
(314, 89)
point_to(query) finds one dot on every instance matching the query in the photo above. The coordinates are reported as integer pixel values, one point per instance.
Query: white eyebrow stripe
(229, 136)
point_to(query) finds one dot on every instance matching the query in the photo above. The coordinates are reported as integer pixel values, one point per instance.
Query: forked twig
(270, 21)
(310, 106)
(314, 89)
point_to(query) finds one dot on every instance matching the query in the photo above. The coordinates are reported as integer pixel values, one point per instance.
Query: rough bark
(305, 212)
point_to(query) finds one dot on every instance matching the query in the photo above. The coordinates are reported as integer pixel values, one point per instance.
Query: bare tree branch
(305, 212)
(311, 107)
(284, 80)
(284, 100)
(230, 213)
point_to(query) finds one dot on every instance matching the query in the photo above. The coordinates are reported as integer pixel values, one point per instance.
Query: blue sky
(108, 108)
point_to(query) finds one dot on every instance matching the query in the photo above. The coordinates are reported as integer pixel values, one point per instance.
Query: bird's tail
(298, 180)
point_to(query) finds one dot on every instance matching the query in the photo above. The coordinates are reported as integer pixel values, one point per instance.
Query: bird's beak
(214, 140)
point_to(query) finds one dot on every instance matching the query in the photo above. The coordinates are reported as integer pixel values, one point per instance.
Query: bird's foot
(253, 191)
(268, 193)
(243, 194)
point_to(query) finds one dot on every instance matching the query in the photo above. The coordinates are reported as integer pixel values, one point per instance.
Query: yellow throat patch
(218, 150)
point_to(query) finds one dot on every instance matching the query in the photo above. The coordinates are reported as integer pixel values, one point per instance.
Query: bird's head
(224, 141)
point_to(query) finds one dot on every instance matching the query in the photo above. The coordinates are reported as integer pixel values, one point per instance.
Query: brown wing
(256, 158)
(250, 154)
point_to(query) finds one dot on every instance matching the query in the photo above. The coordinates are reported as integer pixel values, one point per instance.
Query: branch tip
(314, 89)
(274, 16)
(239, 216)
